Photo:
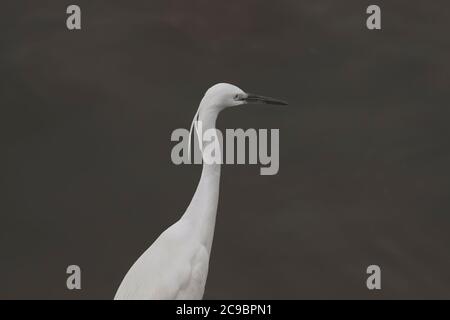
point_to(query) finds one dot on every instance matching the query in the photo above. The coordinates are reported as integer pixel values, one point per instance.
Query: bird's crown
(222, 88)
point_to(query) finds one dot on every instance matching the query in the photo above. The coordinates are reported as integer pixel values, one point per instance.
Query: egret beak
(254, 98)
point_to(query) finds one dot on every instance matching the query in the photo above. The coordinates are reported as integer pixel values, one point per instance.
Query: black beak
(254, 98)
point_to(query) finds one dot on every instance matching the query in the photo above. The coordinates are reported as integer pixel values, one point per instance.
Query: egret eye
(236, 97)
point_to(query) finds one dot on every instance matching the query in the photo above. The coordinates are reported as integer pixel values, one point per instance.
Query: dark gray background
(86, 118)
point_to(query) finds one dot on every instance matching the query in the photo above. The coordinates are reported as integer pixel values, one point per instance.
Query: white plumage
(176, 264)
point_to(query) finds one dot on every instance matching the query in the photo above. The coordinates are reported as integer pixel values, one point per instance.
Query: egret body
(175, 266)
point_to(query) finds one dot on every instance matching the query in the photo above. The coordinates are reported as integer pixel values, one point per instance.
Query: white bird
(176, 264)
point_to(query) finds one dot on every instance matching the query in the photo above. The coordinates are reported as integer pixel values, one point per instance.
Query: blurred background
(86, 119)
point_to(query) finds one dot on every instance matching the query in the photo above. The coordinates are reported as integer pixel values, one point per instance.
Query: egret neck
(202, 210)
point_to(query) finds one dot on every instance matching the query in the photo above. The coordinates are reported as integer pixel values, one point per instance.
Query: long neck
(203, 207)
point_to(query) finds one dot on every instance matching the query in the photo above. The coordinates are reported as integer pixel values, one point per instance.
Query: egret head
(224, 95)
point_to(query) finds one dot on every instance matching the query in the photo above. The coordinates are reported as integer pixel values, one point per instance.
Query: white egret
(176, 264)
